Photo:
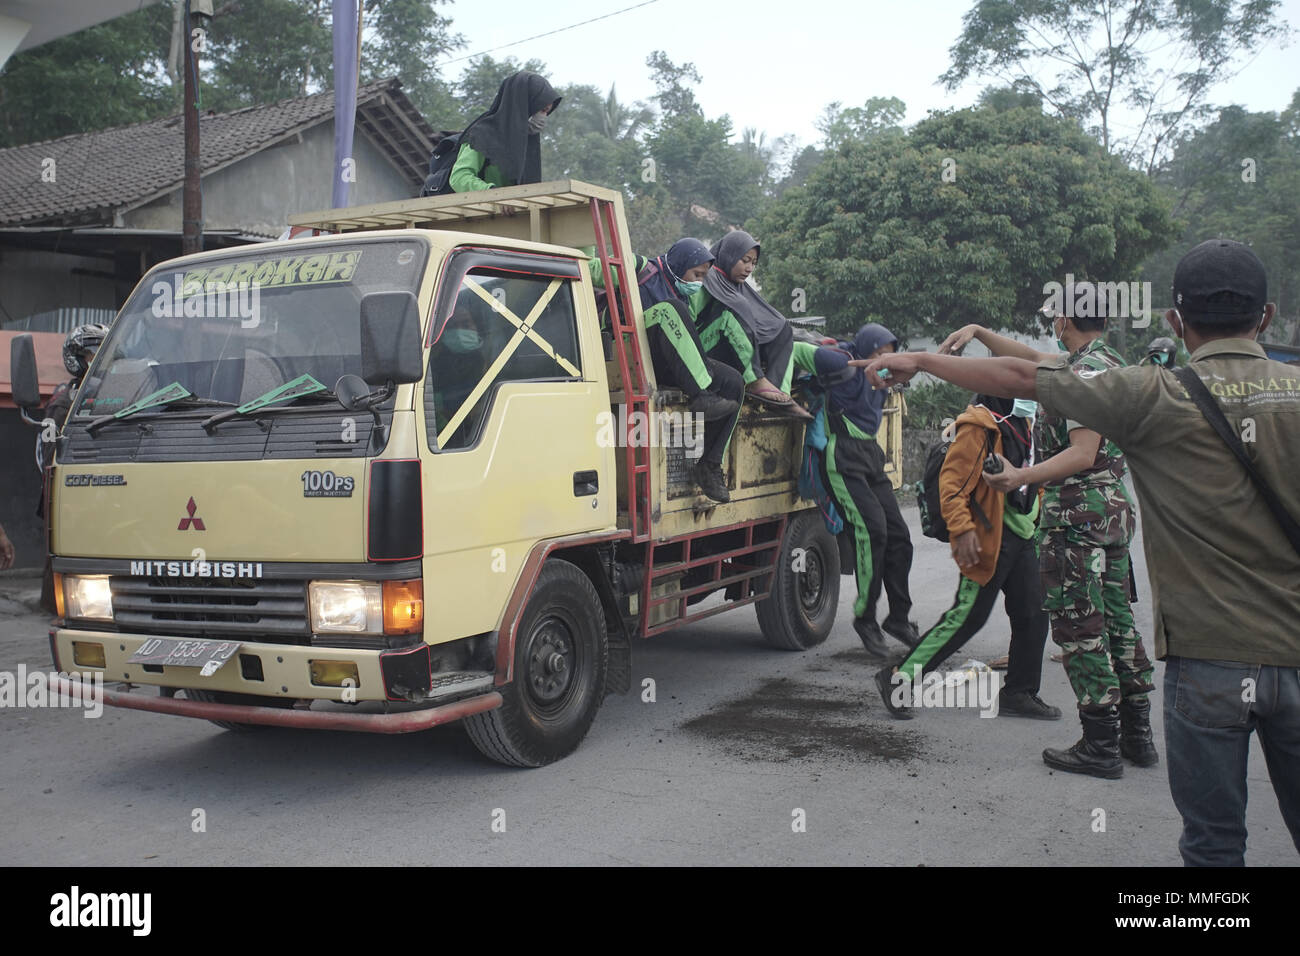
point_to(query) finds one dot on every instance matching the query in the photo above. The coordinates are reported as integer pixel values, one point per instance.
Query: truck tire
(561, 657)
(222, 697)
(799, 612)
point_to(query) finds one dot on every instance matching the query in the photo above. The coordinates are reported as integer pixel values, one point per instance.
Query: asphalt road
(739, 739)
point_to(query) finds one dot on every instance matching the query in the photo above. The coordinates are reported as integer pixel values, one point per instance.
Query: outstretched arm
(999, 345)
(1004, 377)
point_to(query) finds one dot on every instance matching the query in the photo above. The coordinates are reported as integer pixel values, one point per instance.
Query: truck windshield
(234, 328)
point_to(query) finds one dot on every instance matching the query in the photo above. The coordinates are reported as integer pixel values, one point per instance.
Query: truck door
(512, 402)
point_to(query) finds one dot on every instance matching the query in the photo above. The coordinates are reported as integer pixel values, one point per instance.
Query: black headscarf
(1017, 442)
(501, 134)
(740, 297)
(681, 257)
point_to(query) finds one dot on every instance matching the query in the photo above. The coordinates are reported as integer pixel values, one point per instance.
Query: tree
(407, 39)
(839, 125)
(266, 51)
(107, 75)
(1158, 57)
(962, 219)
(1238, 178)
(673, 84)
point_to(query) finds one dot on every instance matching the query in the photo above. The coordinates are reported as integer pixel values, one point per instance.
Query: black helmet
(1162, 351)
(80, 347)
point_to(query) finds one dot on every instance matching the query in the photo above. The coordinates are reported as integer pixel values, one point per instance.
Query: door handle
(585, 483)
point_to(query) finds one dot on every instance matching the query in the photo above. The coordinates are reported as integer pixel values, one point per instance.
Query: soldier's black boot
(1135, 740)
(1097, 751)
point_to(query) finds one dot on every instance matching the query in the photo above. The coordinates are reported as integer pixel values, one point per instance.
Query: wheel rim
(812, 583)
(551, 665)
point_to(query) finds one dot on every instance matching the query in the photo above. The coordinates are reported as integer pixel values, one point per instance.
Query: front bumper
(387, 723)
(279, 671)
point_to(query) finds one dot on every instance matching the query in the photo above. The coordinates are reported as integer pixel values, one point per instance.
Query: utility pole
(197, 15)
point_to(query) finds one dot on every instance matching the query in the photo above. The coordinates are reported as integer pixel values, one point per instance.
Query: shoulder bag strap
(1214, 415)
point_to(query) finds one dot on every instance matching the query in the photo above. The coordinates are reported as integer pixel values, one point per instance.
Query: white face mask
(537, 122)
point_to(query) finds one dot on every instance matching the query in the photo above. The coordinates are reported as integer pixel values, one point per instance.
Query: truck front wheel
(561, 655)
(799, 612)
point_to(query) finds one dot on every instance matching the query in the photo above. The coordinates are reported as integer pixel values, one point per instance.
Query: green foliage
(1159, 57)
(266, 51)
(407, 39)
(839, 125)
(1239, 178)
(930, 404)
(108, 75)
(880, 233)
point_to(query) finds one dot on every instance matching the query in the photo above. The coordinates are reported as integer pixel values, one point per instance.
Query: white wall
(256, 194)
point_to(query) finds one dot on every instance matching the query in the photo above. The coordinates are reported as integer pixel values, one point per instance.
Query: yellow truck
(287, 495)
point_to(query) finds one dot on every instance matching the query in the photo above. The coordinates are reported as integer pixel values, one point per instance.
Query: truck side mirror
(391, 350)
(26, 383)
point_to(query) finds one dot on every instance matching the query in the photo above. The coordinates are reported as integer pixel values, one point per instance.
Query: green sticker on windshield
(302, 385)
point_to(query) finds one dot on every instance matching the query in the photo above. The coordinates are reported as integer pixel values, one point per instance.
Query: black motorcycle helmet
(1162, 351)
(80, 347)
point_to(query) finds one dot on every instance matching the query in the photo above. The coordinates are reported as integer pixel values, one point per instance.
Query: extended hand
(955, 343)
(1008, 479)
(966, 549)
(900, 365)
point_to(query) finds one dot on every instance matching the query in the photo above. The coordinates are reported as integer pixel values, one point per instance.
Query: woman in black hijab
(503, 147)
(736, 256)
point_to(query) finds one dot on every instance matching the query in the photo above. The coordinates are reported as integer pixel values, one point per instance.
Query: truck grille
(273, 611)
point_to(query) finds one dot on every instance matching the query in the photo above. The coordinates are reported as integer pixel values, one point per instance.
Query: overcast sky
(774, 65)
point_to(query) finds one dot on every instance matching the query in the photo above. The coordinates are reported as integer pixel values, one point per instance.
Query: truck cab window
(502, 327)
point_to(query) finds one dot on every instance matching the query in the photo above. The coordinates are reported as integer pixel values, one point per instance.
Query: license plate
(208, 656)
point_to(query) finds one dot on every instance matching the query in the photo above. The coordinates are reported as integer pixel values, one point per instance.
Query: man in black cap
(1223, 552)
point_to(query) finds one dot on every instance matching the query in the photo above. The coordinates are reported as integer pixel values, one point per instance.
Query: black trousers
(776, 356)
(679, 362)
(853, 470)
(1016, 576)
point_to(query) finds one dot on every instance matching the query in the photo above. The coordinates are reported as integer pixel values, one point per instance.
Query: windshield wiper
(300, 387)
(164, 396)
(173, 395)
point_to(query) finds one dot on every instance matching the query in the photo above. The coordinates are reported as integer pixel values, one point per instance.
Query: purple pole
(345, 96)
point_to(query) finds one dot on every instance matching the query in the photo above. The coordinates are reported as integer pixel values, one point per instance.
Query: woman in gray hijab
(735, 256)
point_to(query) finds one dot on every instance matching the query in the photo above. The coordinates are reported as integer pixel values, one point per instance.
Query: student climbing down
(853, 470)
(503, 146)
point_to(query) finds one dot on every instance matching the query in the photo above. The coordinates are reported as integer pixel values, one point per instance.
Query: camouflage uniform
(1087, 523)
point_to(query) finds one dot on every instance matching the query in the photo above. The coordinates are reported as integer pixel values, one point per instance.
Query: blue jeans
(1211, 708)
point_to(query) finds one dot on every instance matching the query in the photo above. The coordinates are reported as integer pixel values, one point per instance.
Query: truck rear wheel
(223, 697)
(799, 612)
(561, 655)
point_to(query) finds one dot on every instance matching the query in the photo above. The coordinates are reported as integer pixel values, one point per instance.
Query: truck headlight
(88, 597)
(346, 607)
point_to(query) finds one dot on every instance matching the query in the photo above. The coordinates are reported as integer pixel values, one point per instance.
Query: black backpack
(927, 491)
(446, 149)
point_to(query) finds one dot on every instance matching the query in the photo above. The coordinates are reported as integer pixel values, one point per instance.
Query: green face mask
(1024, 408)
(461, 341)
(688, 289)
